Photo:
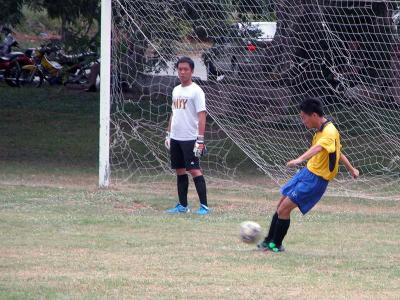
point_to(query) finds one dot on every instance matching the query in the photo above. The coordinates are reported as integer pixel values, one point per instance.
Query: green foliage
(81, 37)
(35, 21)
(214, 16)
(78, 20)
(11, 12)
(252, 10)
(68, 10)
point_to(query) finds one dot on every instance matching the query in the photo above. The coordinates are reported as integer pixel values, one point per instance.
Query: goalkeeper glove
(167, 141)
(199, 147)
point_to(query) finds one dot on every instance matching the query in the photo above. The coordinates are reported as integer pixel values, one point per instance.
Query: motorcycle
(11, 63)
(42, 68)
(77, 66)
(68, 68)
(10, 70)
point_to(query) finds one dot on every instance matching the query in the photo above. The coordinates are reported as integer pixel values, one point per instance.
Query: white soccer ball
(250, 232)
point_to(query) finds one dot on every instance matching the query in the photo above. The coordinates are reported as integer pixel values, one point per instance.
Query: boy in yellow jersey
(306, 188)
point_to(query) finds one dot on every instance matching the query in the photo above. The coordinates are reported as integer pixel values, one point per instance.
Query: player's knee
(195, 172)
(180, 171)
(284, 211)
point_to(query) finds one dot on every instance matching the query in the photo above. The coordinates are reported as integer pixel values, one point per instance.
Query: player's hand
(354, 173)
(294, 162)
(167, 141)
(199, 148)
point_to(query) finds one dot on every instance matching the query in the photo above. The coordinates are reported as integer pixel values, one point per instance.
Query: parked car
(241, 51)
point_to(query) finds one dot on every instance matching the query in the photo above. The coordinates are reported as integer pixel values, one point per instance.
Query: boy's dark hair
(312, 105)
(185, 59)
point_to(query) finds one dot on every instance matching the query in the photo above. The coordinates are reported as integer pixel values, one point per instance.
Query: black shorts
(182, 155)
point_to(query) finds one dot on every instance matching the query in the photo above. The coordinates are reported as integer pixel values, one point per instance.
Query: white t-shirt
(186, 103)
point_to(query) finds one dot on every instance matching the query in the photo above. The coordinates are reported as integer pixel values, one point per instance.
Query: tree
(11, 12)
(69, 12)
(213, 16)
(251, 10)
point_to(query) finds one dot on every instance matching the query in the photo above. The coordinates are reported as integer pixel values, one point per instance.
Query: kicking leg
(282, 224)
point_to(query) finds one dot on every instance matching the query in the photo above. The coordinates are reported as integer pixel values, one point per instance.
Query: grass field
(62, 238)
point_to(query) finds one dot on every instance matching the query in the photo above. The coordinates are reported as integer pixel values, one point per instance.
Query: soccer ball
(250, 232)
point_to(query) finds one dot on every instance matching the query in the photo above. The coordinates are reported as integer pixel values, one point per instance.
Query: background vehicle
(76, 67)
(41, 68)
(10, 70)
(241, 51)
(11, 64)
(63, 69)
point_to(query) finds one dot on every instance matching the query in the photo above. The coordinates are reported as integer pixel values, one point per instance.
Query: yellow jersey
(326, 162)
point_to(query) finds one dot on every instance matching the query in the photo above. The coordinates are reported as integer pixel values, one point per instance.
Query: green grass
(63, 238)
(87, 243)
(49, 126)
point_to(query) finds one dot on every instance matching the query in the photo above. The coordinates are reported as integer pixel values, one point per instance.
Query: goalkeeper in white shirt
(185, 137)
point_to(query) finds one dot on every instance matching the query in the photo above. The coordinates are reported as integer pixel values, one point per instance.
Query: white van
(241, 52)
(268, 29)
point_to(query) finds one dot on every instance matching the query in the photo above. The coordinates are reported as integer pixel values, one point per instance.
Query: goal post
(255, 60)
(105, 94)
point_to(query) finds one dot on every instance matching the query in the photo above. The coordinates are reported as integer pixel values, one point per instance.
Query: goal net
(256, 60)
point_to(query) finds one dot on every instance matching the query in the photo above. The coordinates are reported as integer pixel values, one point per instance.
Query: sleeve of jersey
(328, 143)
(200, 101)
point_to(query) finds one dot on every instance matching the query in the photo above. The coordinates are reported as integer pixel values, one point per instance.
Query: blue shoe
(203, 210)
(178, 209)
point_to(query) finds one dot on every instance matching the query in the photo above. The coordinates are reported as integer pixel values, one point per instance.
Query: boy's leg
(192, 164)
(182, 181)
(200, 185)
(304, 196)
(182, 186)
(282, 224)
(272, 227)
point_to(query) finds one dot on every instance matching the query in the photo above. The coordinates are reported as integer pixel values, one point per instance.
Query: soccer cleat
(263, 246)
(269, 246)
(272, 247)
(203, 210)
(178, 209)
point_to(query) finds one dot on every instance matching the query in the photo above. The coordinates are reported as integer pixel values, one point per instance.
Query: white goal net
(256, 60)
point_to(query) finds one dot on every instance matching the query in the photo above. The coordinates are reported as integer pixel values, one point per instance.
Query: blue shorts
(305, 189)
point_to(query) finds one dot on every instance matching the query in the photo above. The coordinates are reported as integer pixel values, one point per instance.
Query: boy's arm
(202, 122)
(353, 171)
(167, 141)
(169, 123)
(199, 148)
(306, 155)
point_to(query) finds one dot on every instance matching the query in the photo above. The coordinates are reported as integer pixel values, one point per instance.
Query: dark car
(241, 52)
